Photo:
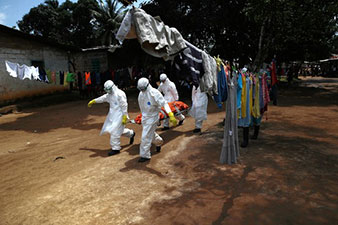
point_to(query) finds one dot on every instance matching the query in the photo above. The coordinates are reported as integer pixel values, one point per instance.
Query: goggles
(108, 90)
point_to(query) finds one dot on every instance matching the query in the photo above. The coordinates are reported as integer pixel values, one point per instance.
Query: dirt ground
(287, 176)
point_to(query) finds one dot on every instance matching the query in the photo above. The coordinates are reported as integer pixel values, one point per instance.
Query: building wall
(22, 50)
(89, 61)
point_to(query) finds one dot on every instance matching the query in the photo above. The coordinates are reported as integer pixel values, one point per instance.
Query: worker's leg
(148, 133)
(198, 126)
(166, 124)
(180, 118)
(157, 141)
(115, 144)
(129, 134)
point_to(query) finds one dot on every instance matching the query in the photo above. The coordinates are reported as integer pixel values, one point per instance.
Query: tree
(127, 2)
(215, 26)
(52, 3)
(251, 31)
(68, 23)
(293, 30)
(107, 19)
(254, 31)
(84, 34)
(40, 20)
(49, 20)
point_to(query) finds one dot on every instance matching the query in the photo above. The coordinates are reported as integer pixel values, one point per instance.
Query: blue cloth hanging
(221, 88)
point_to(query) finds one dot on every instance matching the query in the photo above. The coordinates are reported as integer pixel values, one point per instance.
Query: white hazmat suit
(168, 88)
(150, 101)
(118, 111)
(199, 106)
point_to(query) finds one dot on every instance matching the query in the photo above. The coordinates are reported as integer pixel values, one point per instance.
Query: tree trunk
(262, 51)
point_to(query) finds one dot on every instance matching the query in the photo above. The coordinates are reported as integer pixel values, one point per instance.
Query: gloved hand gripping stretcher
(177, 107)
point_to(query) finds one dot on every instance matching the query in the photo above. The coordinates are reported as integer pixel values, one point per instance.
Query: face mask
(143, 88)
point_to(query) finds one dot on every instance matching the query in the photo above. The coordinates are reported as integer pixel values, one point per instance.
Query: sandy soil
(287, 176)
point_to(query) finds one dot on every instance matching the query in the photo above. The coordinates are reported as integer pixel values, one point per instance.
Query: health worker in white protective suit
(199, 107)
(117, 117)
(150, 101)
(169, 90)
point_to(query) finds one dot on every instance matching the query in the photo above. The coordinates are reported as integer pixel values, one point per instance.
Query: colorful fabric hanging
(239, 94)
(70, 77)
(230, 147)
(62, 74)
(243, 97)
(65, 83)
(88, 81)
(256, 107)
(273, 73)
(249, 97)
(245, 118)
(221, 87)
(53, 78)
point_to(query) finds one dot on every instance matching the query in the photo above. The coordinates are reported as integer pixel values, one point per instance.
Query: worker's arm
(122, 98)
(173, 91)
(92, 102)
(101, 99)
(162, 102)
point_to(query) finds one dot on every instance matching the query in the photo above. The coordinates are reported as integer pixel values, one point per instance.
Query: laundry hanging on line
(252, 97)
(22, 71)
(230, 147)
(157, 39)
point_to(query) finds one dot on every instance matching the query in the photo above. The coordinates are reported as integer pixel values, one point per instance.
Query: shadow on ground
(278, 180)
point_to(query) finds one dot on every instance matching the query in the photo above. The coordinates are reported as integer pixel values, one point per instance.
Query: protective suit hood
(143, 84)
(109, 86)
(163, 77)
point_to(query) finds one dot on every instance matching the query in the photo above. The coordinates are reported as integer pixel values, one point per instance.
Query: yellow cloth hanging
(218, 62)
(65, 83)
(256, 110)
(243, 97)
(250, 95)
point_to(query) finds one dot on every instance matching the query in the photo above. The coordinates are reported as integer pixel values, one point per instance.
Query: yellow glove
(124, 119)
(172, 119)
(91, 103)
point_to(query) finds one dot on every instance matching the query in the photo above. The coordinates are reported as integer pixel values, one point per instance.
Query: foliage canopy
(250, 31)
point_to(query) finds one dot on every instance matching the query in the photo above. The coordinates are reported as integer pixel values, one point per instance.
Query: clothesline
(22, 71)
(245, 94)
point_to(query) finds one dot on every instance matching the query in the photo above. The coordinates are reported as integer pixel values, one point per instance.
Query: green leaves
(235, 29)
(107, 19)
(291, 29)
(84, 24)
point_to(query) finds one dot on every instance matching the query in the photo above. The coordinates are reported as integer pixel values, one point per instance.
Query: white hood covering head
(142, 84)
(163, 77)
(108, 86)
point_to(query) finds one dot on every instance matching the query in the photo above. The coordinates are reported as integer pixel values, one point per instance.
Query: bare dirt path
(287, 176)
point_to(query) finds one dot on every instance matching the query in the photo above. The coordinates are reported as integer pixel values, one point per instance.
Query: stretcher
(177, 107)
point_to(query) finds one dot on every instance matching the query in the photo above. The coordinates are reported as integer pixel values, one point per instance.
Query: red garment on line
(87, 78)
(273, 73)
